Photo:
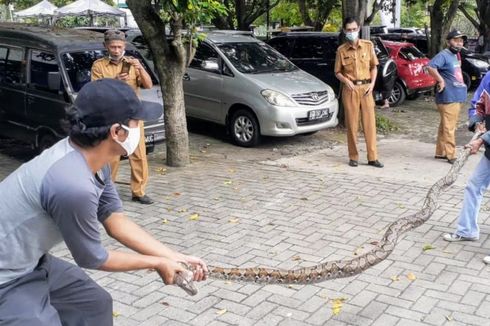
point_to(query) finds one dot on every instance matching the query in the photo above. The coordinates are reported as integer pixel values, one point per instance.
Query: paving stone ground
(265, 212)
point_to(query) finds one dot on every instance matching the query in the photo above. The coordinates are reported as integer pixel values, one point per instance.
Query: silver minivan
(241, 82)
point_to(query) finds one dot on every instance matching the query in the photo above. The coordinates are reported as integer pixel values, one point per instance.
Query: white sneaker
(486, 260)
(453, 237)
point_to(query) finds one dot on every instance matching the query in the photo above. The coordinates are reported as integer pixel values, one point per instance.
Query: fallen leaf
(176, 193)
(428, 247)
(400, 205)
(115, 314)
(449, 317)
(231, 170)
(161, 170)
(337, 305)
(358, 251)
(165, 303)
(202, 151)
(194, 217)
(165, 221)
(284, 166)
(227, 282)
(265, 178)
(221, 312)
(411, 276)
(228, 182)
(233, 220)
(395, 278)
(296, 258)
(374, 243)
(182, 210)
(303, 198)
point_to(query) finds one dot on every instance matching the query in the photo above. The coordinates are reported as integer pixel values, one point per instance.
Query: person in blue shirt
(445, 67)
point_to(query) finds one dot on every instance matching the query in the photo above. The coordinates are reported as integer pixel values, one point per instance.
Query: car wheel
(398, 94)
(45, 141)
(467, 79)
(244, 128)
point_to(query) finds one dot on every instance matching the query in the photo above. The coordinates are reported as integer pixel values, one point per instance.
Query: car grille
(300, 122)
(312, 98)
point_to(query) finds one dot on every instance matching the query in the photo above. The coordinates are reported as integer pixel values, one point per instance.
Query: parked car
(41, 72)
(407, 30)
(242, 83)
(314, 52)
(474, 65)
(378, 29)
(413, 79)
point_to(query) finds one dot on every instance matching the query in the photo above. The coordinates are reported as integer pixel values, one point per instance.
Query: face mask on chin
(131, 142)
(352, 36)
(116, 59)
(455, 49)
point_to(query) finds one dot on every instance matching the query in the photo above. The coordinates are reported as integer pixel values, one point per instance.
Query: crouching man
(62, 195)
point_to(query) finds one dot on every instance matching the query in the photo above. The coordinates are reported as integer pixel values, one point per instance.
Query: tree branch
(472, 20)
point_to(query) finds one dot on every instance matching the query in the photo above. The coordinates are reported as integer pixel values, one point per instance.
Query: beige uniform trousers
(139, 166)
(357, 105)
(446, 140)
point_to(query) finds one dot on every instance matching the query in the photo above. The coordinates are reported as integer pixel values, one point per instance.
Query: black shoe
(143, 199)
(376, 164)
(440, 157)
(353, 163)
(451, 161)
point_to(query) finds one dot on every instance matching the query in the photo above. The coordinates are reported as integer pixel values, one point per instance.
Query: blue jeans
(473, 195)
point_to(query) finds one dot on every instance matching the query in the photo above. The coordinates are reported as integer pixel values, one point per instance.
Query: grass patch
(384, 125)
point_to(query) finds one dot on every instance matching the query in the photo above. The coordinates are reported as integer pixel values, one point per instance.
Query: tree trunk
(305, 15)
(170, 62)
(440, 24)
(354, 8)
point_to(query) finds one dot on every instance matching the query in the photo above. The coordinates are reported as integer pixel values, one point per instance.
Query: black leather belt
(361, 81)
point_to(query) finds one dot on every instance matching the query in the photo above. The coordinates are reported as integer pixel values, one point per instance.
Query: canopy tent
(90, 8)
(42, 9)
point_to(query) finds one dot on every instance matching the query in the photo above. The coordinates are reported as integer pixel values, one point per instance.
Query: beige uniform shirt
(356, 63)
(105, 68)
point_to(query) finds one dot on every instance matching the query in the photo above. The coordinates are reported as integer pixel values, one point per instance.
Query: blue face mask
(352, 36)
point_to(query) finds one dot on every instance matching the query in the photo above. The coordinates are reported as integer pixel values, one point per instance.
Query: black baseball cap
(455, 34)
(106, 101)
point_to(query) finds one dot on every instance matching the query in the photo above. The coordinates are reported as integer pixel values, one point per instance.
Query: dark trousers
(55, 293)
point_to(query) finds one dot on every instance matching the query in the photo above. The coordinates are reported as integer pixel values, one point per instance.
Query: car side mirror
(54, 80)
(210, 65)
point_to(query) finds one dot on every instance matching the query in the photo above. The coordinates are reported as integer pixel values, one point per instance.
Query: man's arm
(144, 78)
(435, 73)
(128, 233)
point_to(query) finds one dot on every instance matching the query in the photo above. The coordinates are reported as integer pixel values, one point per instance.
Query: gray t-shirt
(52, 198)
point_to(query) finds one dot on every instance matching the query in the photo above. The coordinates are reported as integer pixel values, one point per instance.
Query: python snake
(345, 267)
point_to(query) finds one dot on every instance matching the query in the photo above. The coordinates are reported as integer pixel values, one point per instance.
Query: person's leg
(473, 194)
(139, 166)
(440, 135)
(26, 302)
(369, 124)
(451, 115)
(77, 298)
(351, 105)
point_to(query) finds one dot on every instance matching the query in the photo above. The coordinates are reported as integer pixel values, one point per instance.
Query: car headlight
(277, 98)
(480, 64)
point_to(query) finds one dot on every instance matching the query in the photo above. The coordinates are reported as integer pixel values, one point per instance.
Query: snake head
(185, 281)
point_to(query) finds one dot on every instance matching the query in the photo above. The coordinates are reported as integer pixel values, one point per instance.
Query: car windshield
(411, 53)
(78, 65)
(255, 58)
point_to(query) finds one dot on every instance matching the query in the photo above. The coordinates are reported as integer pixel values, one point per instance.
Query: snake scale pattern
(346, 267)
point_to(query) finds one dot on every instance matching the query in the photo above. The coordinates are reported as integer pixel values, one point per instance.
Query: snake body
(345, 267)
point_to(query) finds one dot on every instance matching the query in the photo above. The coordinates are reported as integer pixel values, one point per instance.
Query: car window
(206, 58)
(283, 45)
(42, 64)
(12, 71)
(255, 58)
(308, 47)
(410, 53)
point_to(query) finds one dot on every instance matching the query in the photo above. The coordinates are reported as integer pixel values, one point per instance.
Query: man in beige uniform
(355, 67)
(136, 77)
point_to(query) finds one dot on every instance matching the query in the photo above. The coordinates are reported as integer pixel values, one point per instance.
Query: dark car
(41, 72)
(474, 65)
(314, 52)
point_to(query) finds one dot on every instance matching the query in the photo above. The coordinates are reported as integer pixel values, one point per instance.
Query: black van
(41, 72)
(314, 52)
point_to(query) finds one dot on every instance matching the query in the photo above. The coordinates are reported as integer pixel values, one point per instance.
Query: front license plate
(149, 139)
(317, 114)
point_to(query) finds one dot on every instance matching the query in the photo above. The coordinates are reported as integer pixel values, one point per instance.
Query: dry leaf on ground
(395, 278)
(115, 314)
(221, 312)
(337, 304)
(411, 276)
(194, 217)
(165, 221)
(233, 220)
(428, 247)
(296, 258)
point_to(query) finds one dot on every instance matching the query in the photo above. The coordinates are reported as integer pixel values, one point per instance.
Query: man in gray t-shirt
(63, 195)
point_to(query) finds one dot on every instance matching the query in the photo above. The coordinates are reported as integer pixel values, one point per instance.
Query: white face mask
(116, 59)
(352, 36)
(132, 141)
